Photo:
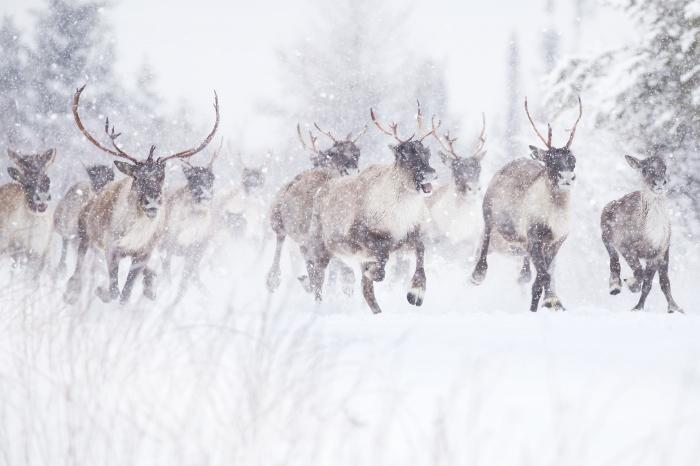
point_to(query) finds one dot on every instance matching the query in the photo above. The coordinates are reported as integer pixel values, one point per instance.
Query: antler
(449, 145)
(573, 130)
(190, 152)
(311, 137)
(328, 133)
(482, 139)
(118, 152)
(359, 135)
(548, 142)
(393, 126)
(419, 116)
(216, 153)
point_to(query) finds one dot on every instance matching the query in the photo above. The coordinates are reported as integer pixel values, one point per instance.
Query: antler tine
(86, 133)
(113, 137)
(216, 153)
(548, 144)
(303, 144)
(394, 129)
(325, 133)
(482, 140)
(573, 130)
(190, 152)
(359, 135)
(449, 147)
(419, 116)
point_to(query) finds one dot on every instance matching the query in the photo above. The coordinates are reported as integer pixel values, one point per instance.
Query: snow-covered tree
(648, 93)
(13, 105)
(551, 42)
(73, 47)
(355, 57)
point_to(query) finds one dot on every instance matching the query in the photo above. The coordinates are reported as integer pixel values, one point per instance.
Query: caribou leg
(61, 269)
(112, 292)
(417, 291)
(525, 272)
(482, 266)
(273, 276)
(551, 300)
(138, 263)
(635, 283)
(75, 282)
(649, 273)
(665, 283)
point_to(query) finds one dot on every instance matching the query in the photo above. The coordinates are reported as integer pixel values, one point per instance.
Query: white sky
(230, 45)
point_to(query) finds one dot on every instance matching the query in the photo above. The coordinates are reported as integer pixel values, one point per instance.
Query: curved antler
(548, 142)
(311, 137)
(328, 133)
(393, 126)
(118, 152)
(190, 152)
(573, 130)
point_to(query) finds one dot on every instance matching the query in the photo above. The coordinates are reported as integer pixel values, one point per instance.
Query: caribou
(25, 224)
(190, 219)
(372, 214)
(125, 219)
(454, 207)
(65, 217)
(290, 214)
(526, 211)
(638, 226)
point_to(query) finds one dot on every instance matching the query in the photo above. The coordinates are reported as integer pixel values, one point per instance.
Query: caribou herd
(338, 214)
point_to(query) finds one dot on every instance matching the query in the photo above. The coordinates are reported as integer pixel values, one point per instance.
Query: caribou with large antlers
(125, 219)
(291, 210)
(25, 224)
(373, 214)
(526, 211)
(454, 207)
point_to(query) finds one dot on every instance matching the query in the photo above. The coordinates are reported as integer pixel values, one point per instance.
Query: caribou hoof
(553, 304)
(348, 289)
(637, 308)
(523, 279)
(415, 296)
(672, 309)
(105, 295)
(478, 277)
(149, 294)
(273, 280)
(634, 285)
(615, 286)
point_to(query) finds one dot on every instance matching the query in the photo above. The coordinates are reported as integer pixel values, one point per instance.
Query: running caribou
(454, 207)
(291, 210)
(639, 227)
(373, 214)
(65, 217)
(125, 219)
(526, 211)
(25, 224)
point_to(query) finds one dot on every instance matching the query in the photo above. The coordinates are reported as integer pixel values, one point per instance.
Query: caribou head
(99, 176)
(465, 170)
(410, 155)
(559, 162)
(653, 172)
(343, 155)
(31, 175)
(147, 175)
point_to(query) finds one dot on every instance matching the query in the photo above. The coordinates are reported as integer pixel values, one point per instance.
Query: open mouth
(427, 188)
(41, 207)
(151, 213)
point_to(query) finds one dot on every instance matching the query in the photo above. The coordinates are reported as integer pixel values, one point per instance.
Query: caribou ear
(47, 158)
(633, 162)
(480, 155)
(126, 168)
(444, 158)
(14, 156)
(15, 174)
(187, 170)
(537, 154)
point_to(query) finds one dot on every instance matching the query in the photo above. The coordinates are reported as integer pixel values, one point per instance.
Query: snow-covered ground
(231, 375)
